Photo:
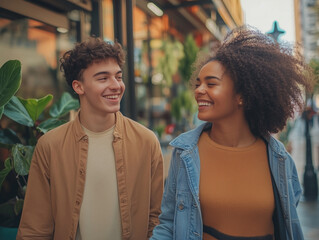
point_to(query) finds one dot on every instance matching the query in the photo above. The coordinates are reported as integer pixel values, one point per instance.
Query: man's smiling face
(102, 87)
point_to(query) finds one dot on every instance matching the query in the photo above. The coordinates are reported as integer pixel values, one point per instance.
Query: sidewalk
(309, 218)
(308, 211)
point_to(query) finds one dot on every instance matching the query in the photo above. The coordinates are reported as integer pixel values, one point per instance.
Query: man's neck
(97, 123)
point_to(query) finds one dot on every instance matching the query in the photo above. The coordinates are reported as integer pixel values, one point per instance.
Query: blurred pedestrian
(229, 178)
(99, 176)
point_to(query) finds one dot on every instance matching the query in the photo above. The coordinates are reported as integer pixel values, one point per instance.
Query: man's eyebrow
(105, 72)
(208, 78)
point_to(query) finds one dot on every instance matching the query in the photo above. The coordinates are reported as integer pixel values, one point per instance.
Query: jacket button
(180, 206)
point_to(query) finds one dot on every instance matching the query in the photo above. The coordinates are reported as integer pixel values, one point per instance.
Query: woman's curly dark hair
(269, 76)
(75, 61)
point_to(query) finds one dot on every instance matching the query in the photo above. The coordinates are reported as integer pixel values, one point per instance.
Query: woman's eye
(211, 84)
(103, 78)
(196, 85)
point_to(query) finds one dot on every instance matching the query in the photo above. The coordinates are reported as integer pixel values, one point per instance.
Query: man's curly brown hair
(93, 50)
(269, 76)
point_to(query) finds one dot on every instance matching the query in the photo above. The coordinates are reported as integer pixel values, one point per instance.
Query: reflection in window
(38, 46)
(108, 22)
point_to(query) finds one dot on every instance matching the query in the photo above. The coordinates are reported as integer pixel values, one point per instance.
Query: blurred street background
(162, 39)
(308, 209)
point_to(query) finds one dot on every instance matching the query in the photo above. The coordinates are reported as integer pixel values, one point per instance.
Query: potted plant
(17, 145)
(183, 105)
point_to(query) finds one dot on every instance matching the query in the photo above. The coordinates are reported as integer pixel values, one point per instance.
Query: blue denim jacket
(181, 213)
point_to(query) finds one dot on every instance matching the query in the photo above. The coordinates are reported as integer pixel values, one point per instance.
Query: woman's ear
(240, 101)
(78, 87)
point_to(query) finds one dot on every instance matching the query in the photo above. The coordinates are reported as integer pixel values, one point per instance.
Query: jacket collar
(77, 128)
(189, 140)
(275, 145)
(119, 125)
(79, 132)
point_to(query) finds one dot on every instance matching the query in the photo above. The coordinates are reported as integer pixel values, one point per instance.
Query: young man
(99, 176)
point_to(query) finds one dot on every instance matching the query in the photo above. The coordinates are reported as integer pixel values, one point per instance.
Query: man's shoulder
(138, 129)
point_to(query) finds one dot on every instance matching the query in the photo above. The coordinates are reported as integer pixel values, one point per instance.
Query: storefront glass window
(39, 47)
(148, 40)
(108, 20)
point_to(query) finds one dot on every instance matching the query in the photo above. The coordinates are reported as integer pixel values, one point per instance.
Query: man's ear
(78, 87)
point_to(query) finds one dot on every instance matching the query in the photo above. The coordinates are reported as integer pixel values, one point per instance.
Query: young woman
(229, 179)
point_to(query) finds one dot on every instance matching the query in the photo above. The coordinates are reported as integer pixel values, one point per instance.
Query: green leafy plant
(31, 121)
(159, 129)
(186, 63)
(10, 79)
(183, 105)
(314, 64)
(168, 63)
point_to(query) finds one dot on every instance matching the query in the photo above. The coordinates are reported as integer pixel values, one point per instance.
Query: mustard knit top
(236, 191)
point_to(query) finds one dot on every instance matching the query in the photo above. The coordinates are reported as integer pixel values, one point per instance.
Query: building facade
(38, 32)
(307, 27)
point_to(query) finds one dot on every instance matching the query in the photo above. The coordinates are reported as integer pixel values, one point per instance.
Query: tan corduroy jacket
(57, 176)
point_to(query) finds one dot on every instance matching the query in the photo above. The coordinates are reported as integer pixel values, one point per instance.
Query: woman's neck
(236, 134)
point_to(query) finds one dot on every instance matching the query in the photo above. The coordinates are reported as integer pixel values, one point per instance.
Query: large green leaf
(10, 80)
(49, 124)
(15, 110)
(1, 111)
(64, 105)
(8, 218)
(4, 172)
(36, 106)
(22, 156)
(8, 137)
(18, 206)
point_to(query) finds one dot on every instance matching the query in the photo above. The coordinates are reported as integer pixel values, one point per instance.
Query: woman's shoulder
(189, 139)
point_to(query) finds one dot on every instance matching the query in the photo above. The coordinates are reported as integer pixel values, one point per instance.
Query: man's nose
(114, 83)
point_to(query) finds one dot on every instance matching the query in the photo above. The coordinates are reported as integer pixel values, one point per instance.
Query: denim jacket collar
(189, 140)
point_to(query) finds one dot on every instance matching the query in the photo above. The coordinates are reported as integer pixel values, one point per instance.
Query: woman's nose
(201, 89)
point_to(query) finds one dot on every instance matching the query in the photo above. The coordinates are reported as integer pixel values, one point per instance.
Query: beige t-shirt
(100, 213)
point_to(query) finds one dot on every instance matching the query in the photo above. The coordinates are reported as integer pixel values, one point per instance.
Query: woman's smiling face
(215, 93)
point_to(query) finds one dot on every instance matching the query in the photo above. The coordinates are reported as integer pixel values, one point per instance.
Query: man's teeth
(204, 104)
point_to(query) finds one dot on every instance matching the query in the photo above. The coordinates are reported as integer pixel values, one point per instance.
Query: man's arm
(156, 188)
(37, 221)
